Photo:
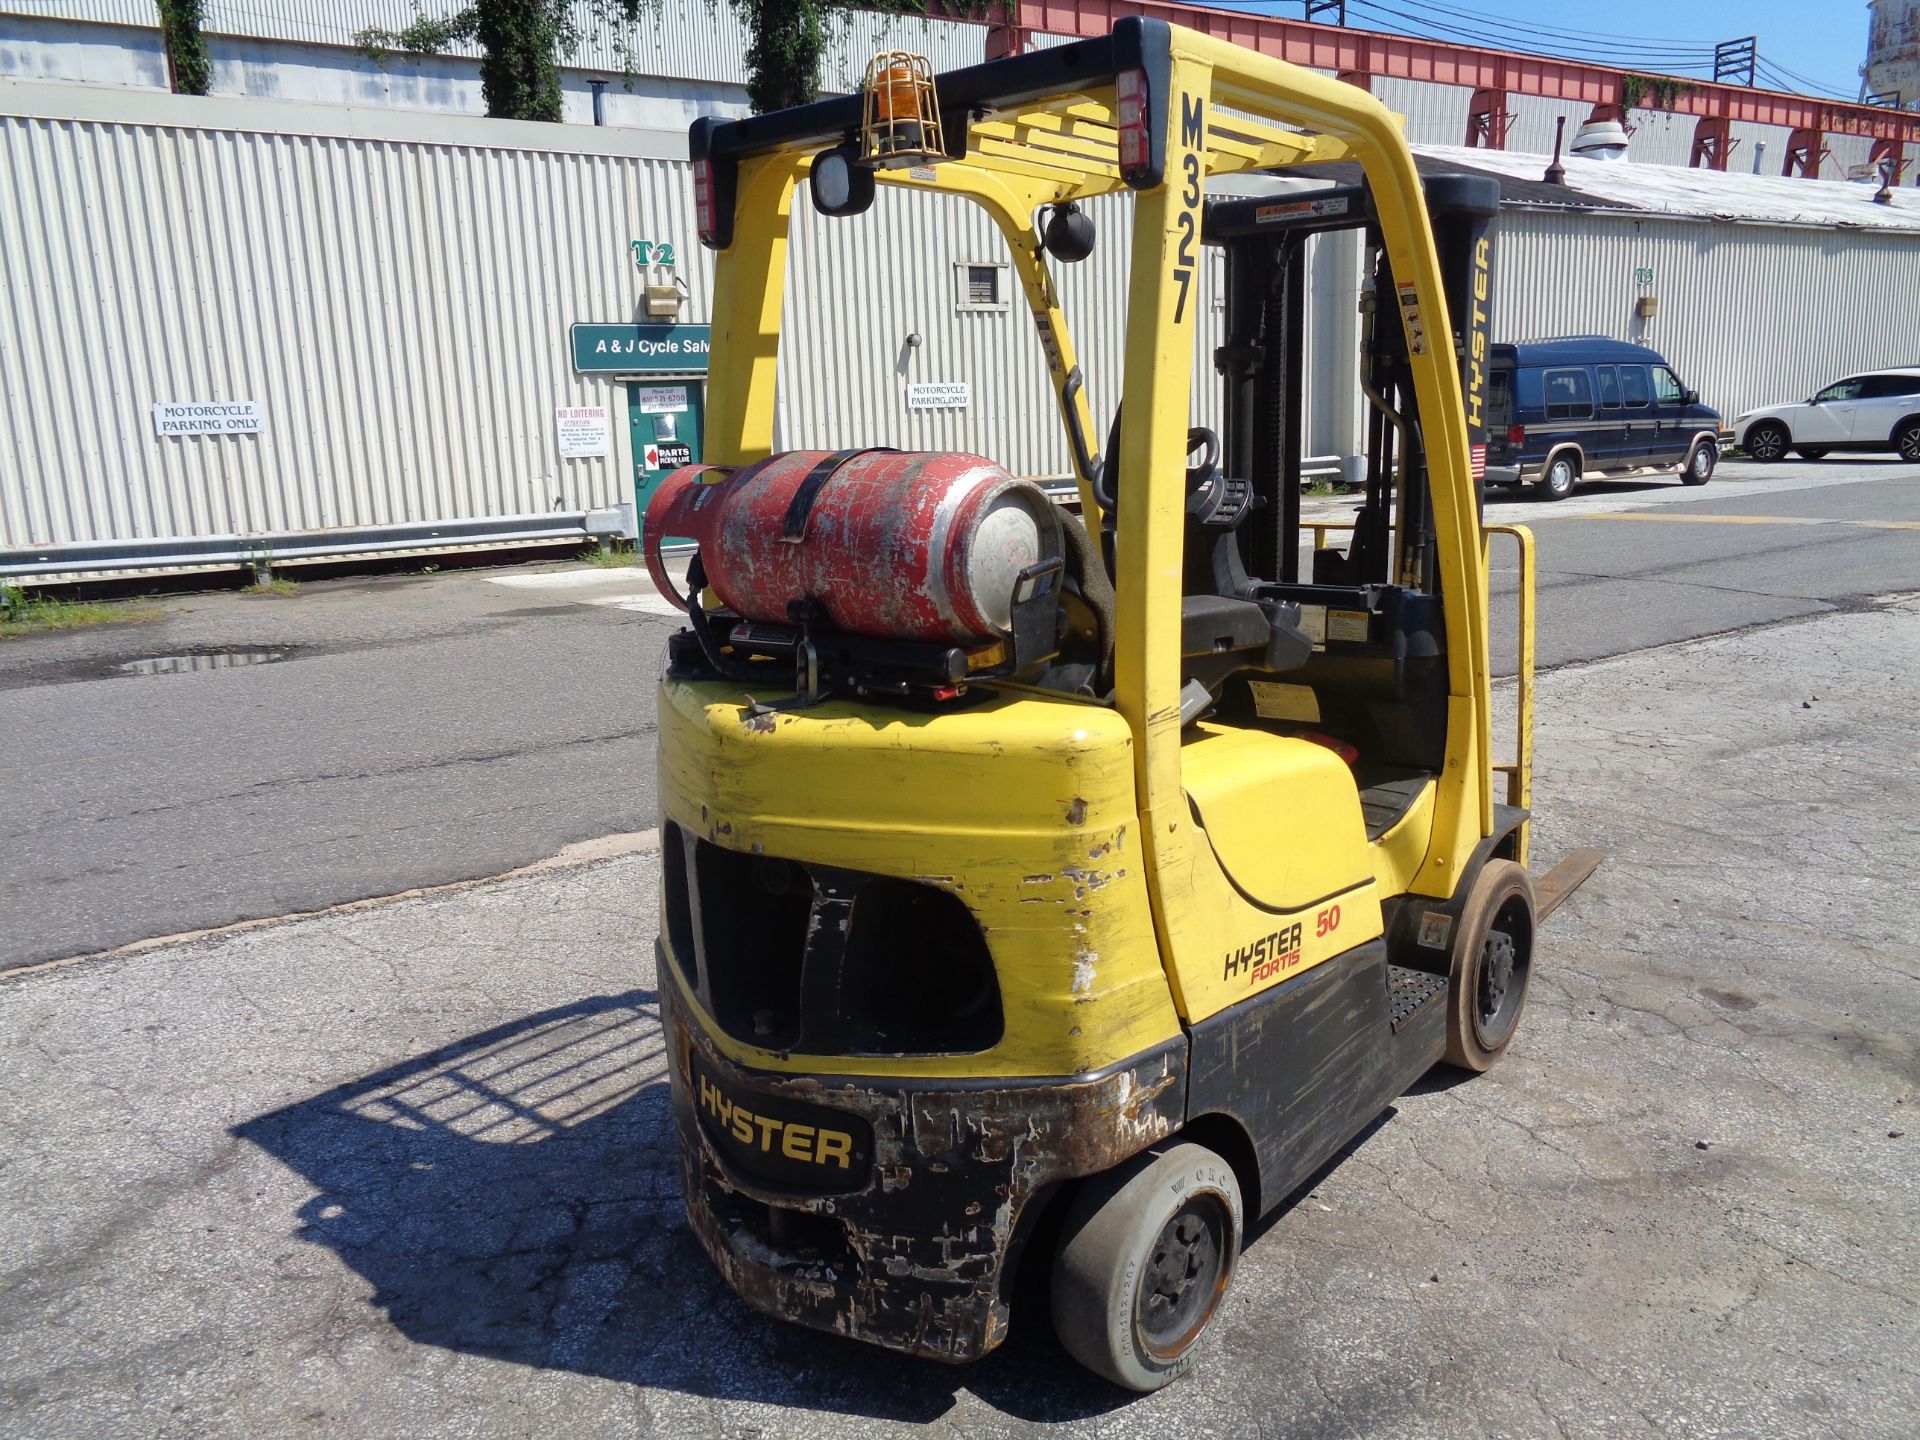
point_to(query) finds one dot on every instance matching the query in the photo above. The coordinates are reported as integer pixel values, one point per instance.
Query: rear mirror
(1689, 397)
(840, 184)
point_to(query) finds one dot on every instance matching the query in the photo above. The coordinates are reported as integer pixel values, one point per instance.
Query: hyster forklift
(1062, 891)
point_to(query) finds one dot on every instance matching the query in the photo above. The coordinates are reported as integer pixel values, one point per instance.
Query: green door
(664, 418)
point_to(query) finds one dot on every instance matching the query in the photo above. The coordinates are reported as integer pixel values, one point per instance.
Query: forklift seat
(1087, 581)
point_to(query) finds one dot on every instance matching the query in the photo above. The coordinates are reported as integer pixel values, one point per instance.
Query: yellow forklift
(1055, 890)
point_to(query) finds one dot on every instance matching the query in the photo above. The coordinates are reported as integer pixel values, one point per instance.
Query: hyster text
(1265, 957)
(810, 1144)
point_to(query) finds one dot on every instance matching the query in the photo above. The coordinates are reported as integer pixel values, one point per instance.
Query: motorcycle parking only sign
(207, 417)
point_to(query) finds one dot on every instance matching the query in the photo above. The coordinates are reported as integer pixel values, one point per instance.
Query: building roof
(1683, 193)
(1577, 350)
(1514, 189)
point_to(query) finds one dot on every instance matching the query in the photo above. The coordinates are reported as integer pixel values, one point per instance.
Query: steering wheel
(1205, 486)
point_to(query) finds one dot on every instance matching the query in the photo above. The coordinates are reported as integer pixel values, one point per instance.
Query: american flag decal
(1479, 453)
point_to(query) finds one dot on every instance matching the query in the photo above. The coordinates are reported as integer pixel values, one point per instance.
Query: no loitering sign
(207, 417)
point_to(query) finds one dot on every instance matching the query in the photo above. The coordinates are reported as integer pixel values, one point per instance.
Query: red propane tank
(909, 545)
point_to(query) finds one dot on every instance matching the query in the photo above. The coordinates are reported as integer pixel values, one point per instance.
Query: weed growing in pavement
(272, 585)
(25, 613)
(622, 554)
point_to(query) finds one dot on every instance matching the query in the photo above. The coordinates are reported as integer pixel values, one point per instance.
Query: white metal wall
(688, 39)
(1749, 314)
(394, 290)
(857, 290)
(398, 308)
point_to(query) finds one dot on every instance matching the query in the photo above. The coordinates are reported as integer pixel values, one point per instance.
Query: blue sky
(1821, 41)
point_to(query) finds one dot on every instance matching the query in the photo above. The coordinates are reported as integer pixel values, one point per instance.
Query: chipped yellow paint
(1020, 806)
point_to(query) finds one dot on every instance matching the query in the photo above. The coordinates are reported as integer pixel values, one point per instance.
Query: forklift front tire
(1145, 1259)
(1492, 963)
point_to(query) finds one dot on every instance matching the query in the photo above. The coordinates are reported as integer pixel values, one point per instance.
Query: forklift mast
(1263, 366)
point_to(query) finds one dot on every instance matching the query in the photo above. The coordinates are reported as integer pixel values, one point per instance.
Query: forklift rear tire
(1492, 963)
(1146, 1257)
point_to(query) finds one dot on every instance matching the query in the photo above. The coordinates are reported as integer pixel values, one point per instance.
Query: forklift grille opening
(824, 960)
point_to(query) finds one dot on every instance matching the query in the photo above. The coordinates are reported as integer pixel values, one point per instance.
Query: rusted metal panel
(1337, 48)
(918, 1257)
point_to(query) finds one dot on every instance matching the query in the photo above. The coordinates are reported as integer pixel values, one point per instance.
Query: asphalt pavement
(405, 1170)
(424, 729)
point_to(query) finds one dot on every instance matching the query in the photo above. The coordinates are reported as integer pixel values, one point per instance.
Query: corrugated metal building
(394, 291)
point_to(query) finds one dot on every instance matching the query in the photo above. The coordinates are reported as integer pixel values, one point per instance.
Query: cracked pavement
(406, 1170)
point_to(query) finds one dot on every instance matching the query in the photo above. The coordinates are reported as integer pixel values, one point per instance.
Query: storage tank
(1893, 51)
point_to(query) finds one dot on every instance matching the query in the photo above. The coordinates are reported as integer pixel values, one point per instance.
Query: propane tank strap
(800, 508)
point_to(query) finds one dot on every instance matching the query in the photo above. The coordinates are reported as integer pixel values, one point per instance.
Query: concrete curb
(568, 857)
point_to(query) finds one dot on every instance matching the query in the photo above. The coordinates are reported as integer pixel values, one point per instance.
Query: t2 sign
(652, 252)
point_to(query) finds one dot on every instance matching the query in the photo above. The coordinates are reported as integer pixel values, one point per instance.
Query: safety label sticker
(1274, 701)
(1410, 311)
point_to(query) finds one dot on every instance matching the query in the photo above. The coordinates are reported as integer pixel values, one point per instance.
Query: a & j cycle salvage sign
(640, 349)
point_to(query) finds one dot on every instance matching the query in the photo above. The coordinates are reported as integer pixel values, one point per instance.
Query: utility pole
(1734, 60)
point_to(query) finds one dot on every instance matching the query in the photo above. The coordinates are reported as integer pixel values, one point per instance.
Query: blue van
(1561, 411)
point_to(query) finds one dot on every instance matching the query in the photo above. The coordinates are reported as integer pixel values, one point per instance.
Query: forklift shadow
(516, 1195)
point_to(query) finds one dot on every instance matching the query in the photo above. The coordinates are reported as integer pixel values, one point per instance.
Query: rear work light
(706, 221)
(1130, 118)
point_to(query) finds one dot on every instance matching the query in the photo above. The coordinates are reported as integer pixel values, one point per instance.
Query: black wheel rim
(1500, 979)
(1184, 1276)
(1910, 443)
(1766, 444)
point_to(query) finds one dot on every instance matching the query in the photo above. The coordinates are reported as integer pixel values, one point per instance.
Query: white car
(1878, 410)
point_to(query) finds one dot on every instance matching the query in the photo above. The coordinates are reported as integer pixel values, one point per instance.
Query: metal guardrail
(263, 550)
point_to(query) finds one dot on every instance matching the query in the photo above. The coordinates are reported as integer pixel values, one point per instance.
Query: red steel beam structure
(1440, 62)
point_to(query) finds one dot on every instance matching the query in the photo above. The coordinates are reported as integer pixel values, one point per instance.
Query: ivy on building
(523, 42)
(1651, 92)
(189, 71)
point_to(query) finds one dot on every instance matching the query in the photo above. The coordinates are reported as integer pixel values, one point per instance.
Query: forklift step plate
(1408, 990)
